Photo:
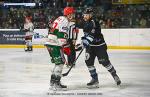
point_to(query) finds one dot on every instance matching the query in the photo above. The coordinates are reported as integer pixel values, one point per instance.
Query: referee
(73, 34)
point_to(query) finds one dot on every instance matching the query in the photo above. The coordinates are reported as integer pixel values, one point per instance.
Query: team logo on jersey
(87, 56)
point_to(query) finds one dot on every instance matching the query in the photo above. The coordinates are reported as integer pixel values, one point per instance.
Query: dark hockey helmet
(88, 10)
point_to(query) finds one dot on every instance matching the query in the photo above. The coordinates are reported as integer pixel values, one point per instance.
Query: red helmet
(68, 10)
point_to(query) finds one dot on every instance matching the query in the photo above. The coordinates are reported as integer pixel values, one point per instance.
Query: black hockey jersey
(92, 28)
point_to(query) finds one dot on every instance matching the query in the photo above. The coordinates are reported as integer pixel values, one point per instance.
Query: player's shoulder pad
(63, 18)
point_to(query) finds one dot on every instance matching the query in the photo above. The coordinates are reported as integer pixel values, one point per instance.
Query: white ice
(24, 74)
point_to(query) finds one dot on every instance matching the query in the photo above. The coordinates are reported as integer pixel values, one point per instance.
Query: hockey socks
(112, 71)
(94, 83)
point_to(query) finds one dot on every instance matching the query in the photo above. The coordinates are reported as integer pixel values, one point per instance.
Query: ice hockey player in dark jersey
(95, 46)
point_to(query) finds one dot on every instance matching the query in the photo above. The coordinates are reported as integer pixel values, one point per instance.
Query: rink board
(15, 36)
(109, 47)
(115, 38)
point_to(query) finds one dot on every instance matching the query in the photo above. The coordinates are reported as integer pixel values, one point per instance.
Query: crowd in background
(109, 16)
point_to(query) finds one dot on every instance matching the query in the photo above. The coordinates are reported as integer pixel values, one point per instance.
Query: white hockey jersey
(30, 28)
(62, 25)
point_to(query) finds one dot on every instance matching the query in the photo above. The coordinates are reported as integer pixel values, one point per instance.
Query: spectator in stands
(143, 23)
(148, 22)
(109, 23)
(88, 3)
(123, 15)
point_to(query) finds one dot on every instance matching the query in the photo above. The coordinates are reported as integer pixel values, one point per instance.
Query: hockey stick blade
(65, 74)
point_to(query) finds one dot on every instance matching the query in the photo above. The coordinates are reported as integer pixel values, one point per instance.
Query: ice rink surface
(24, 74)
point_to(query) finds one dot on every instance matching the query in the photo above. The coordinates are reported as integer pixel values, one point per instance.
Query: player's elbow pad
(88, 38)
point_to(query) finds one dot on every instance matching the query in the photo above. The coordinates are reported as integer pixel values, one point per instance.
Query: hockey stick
(65, 74)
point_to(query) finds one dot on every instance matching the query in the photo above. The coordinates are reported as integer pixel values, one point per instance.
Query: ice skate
(59, 87)
(31, 48)
(116, 78)
(93, 84)
(26, 49)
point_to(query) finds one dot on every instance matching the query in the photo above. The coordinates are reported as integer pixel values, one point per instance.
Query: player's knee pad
(90, 68)
(109, 67)
(58, 70)
(104, 62)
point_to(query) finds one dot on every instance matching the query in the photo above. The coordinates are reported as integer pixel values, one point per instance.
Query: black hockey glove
(78, 47)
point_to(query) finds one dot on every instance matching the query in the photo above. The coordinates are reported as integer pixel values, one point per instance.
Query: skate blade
(93, 86)
(60, 89)
(52, 90)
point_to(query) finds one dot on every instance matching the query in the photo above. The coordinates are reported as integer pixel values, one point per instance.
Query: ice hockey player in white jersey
(28, 29)
(57, 39)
